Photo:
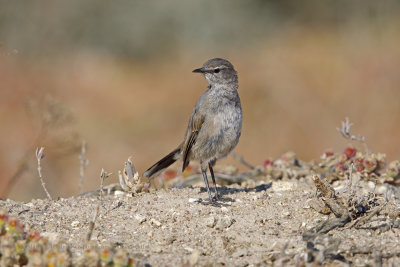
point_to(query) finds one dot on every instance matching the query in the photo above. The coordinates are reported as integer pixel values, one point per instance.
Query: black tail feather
(163, 163)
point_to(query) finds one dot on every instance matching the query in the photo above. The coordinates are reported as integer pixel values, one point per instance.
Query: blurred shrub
(150, 28)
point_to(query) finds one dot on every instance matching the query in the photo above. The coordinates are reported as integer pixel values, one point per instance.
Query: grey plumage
(215, 124)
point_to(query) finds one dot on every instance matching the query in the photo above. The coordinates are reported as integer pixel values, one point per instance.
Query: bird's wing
(195, 123)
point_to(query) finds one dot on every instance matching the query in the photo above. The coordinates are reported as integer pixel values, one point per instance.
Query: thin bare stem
(350, 180)
(241, 160)
(39, 156)
(83, 163)
(103, 175)
(345, 131)
(92, 223)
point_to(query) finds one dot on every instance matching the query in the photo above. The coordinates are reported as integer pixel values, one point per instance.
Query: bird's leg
(213, 179)
(206, 182)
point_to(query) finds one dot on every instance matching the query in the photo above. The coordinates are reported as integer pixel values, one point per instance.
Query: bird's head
(218, 71)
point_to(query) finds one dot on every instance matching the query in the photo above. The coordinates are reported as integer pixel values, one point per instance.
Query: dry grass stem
(241, 160)
(103, 175)
(345, 131)
(92, 223)
(39, 156)
(83, 163)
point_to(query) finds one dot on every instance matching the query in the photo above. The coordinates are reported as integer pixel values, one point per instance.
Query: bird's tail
(163, 163)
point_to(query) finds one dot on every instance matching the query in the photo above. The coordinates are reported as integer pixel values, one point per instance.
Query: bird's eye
(216, 70)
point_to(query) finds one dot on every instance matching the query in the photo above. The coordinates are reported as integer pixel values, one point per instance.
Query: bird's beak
(199, 70)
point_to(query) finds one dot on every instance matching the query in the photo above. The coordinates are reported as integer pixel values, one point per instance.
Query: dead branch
(220, 177)
(39, 156)
(325, 227)
(363, 220)
(334, 203)
(241, 160)
(372, 250)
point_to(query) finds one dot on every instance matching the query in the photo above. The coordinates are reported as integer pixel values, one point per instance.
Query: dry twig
(103, 175)
(335, 204)
(241, 160)
(345, 131)
(371, 250)
(363, 220)
(83, 163)
(39, 156)
(219, 177)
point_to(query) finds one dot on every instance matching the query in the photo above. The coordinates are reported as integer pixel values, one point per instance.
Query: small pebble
(276, 246)
(224, 209)
(119, 193)
(210, 221)
(157, 249)
(140, 218)
(381, 189)
(154, 222)
(224, 222)
(191, 200)
(194, 258)
(30, 205)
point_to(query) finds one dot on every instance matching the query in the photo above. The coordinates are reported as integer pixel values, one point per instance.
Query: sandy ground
(258, 226)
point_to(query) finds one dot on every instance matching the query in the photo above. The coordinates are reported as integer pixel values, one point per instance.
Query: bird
(215, 125)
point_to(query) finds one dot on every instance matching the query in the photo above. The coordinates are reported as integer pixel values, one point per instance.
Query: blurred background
(117, 74)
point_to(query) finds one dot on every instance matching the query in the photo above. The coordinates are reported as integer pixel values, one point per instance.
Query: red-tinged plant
(170, 174)
(341, 165)
(370, 164)
(189, 171)
(349, 152)
(358, 164)
(106, 256)
(268, 162)
(327, 154)
(14, 227)
(33, 235)
(3, 221)
(288, 157)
